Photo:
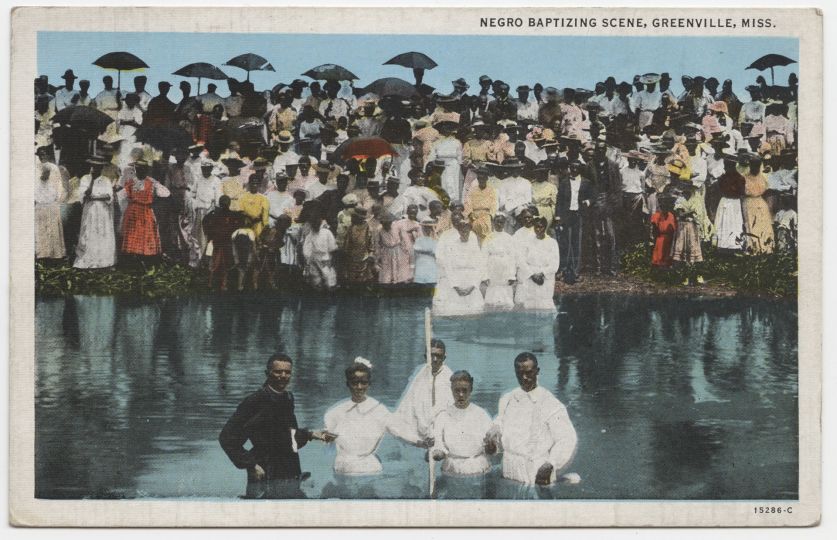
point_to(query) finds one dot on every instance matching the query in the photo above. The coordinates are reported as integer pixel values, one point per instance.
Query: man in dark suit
(266, 418)
(575, 193)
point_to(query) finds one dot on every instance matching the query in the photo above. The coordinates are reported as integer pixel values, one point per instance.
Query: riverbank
(773, 276)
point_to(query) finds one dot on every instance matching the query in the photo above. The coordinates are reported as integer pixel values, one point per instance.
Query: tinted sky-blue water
(560, 61)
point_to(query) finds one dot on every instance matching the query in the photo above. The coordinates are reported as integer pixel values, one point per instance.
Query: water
(672, 398)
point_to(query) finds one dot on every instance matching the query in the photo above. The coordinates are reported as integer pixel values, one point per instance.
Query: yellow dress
(232, 188)
(480, 206)
(255, 206)
(544, 195)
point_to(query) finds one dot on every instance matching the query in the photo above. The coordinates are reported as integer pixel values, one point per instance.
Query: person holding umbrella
(333, 107)
(139, 89)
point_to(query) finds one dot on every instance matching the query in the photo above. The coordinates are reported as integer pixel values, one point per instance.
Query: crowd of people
(489, 197)
(532, 429)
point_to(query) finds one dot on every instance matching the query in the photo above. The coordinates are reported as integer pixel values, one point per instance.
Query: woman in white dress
(539, 260)
(500, 254)
(49, 232)
(359, 424)
(449, 150)
(461, 272)
(460, 432)
(97, 238)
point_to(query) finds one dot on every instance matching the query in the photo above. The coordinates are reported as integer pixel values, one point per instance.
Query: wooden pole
(428, 334)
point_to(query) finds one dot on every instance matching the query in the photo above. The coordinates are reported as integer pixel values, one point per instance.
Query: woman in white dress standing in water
(460, 437)
(97, 238)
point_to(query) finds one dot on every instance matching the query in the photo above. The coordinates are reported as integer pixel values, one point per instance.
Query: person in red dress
(140, 237)
(663, 227)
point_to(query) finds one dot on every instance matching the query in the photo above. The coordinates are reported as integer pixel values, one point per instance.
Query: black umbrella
(330, 72)
(82, 117)
(771, 61)
(415, 60)
(201, 70)
(165, 139)
(250, 62)
(120, 61)
(391, 86)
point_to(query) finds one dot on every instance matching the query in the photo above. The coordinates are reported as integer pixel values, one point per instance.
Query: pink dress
(393, 252)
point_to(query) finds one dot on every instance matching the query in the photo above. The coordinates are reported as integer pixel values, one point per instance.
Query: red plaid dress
(139, 227)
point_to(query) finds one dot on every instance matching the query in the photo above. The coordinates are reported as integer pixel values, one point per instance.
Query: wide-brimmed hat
(445, 125)
(664, 76)
(484, 78)
(719, 106)
(197, 146)
(461, 83)
(650, 78)
(349, 199)
(260, 163)
(284, 137)
(96, 160)
(360, 212)
(524, 88)
(510, 164)
(233, 163)
(386, 217)
(69, 75)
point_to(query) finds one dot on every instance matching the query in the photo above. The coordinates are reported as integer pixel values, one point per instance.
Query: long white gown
(460, 265)
(501, 266)
(537, 256)
(97, 238)
(359, 428)
(534, 428)
(425, 397)
(460, 435)
(449, 150)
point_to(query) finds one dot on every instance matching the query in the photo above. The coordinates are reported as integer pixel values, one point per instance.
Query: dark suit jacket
(586, 192)
(266, 419)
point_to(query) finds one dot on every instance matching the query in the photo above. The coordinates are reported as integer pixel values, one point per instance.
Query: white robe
(97, 238)
(359, 428)
(426, 396)
(534, 428)
(460, 265)
(537, 256)
(460, 435)
(449, 150)
(500, 254)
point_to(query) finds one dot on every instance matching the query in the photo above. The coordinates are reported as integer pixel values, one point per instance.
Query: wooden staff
(428, 331)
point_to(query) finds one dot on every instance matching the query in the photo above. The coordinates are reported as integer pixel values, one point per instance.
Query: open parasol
(250, 62)
(120, 61)
(83, 118)
(330, 72)
(364, 147)
(415, 60)
(771, 61)
(391, 86)
(201, 70)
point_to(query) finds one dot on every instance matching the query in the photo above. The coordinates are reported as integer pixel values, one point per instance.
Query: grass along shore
(768, 275)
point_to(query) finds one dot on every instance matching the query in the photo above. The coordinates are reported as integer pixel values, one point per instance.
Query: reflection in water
(672, 398)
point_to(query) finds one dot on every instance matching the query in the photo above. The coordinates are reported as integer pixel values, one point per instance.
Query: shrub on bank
(773, 274)
(152, 282)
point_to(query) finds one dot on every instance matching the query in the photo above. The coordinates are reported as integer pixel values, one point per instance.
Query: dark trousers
(569, 244)
(607, 259)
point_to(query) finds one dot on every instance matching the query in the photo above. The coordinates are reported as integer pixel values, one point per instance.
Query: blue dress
(425, 248)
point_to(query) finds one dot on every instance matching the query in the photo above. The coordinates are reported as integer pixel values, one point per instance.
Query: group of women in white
(532, 428)
(506, 272)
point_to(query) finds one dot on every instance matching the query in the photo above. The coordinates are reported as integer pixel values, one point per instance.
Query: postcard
(518, 267)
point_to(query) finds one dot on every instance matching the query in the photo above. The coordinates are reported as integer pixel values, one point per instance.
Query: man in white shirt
(527, 111)
(426, 396)
(107, 100)
(210, 99)
(647, 101)
(533, 429)
(64, 95)
(139, 90)
(286, 157)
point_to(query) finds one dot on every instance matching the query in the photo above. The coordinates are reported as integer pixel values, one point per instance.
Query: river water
(672, 398)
